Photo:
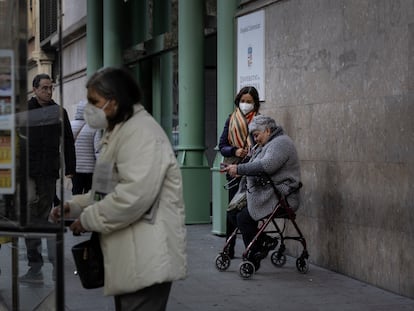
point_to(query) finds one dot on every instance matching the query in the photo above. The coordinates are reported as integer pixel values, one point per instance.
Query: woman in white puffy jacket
(136, 201)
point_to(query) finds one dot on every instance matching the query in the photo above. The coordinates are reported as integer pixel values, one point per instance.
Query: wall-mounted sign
(250, 51)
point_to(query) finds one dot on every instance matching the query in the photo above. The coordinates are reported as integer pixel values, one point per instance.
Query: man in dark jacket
(44, 131)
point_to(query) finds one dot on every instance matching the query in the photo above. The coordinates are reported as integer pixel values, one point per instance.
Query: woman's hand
(55, 212)
(241, 152)
(231, 170)
(76, 227)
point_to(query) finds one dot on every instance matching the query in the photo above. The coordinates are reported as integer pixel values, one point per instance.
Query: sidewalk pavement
(207, 289)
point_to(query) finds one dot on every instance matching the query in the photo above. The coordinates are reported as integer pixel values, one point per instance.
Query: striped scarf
(239, 129)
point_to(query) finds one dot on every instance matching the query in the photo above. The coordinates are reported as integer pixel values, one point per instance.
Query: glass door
(20, 228)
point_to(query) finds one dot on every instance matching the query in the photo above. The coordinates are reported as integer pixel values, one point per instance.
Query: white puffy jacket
(138, 251)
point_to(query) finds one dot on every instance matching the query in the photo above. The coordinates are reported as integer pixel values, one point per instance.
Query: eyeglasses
(47, 88)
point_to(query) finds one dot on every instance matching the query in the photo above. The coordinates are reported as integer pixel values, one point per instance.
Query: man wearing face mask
(44, 131)
(235, 143)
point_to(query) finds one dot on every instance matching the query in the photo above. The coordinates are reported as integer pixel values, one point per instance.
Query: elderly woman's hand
(232, 170)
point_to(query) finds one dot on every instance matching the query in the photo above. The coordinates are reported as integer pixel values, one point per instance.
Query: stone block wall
(340, 80)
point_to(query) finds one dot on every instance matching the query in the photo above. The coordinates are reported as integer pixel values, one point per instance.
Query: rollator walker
(278, 258)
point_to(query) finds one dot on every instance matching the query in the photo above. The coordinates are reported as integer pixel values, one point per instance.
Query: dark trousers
(42, 190)
(152, 298)
(231, 217)
(231, 222)
(81, 183)
(247, 226)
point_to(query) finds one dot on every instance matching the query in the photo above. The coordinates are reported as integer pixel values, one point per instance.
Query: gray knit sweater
(278, 159)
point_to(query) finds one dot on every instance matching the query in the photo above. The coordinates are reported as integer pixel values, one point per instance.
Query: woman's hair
(117, 84)
(253, 93)
(261, 123)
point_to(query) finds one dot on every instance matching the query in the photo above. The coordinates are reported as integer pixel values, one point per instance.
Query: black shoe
(255, 257)
(271, 242)
(32, 277)
(267, 244)
(255, 260)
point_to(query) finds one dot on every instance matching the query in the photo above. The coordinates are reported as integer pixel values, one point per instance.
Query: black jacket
(44, 130)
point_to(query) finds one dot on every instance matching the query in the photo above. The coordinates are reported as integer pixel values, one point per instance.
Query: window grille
(48, 19)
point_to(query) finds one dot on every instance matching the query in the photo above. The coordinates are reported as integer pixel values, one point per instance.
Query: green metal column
(112, 43)
(139, 33)
(158, 23)
(226, 10)
(156, 89)
(94, 38)
(166, 63)
(138, 16)
(162, 69)
(194, 165)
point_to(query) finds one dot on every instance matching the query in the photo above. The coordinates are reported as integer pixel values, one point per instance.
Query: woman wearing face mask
(136, 203)
(235, 143)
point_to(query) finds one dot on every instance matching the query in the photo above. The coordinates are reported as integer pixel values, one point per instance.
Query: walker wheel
(278, 260)
(302, 265)
(222, 262)
(246, 269)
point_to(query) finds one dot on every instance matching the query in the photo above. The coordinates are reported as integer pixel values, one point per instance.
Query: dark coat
(226, 149)
(44, 131)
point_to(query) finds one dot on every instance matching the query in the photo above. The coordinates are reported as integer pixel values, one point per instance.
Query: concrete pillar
(94, 36)
(112, 41)
(226, 10)
(194, 165)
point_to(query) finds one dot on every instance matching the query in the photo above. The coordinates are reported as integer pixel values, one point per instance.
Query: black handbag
(89, 262)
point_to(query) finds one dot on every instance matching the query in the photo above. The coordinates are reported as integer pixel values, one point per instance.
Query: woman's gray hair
(261, 123)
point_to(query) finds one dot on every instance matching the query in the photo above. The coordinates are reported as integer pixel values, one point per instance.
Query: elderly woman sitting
(274, 159)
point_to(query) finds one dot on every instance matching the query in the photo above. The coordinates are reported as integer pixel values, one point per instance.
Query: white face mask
(95, 117)
(246, 107)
